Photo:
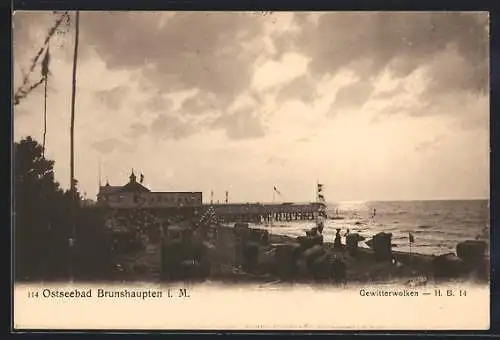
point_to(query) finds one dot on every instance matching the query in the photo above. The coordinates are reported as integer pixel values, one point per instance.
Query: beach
(438, 227)
(407, 268)
(224, 253)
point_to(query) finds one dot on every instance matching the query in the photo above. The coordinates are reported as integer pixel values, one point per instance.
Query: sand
(227, 264)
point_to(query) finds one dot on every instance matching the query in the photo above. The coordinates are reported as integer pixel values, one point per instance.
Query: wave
(437, 227)
(435, 245)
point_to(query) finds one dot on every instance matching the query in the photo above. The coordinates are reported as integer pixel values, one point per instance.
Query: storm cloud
(242, 124)
(167, 126)
(183, 51)
(214, 56)
(371, 43)
(350, 98)
(354, 95)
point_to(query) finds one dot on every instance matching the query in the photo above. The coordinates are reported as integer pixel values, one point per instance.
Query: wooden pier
(234, 212)
(256, 212)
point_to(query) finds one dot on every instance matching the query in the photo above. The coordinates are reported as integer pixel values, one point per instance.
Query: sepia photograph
(339, 151)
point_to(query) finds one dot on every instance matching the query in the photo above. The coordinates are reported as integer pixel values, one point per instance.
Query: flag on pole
(411, 238)
(276, 190)
(45, 63)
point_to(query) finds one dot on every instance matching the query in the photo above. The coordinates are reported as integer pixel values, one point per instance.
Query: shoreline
(291, 239)
(227, 266)
(408, 267)
(366, 230)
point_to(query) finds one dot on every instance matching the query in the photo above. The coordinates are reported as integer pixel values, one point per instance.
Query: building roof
(134, 187)
(131, 186)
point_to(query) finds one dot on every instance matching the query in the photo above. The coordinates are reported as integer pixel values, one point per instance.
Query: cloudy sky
(377, 106)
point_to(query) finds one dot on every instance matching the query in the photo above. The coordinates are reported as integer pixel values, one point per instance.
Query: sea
(437, 226)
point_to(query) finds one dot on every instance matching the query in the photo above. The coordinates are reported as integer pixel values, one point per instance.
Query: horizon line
(367, 201)
(345, 201)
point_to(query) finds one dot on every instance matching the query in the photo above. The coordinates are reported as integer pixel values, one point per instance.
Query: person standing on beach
(337, 244)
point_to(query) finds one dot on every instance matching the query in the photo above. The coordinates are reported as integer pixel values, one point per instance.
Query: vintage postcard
(251, 170)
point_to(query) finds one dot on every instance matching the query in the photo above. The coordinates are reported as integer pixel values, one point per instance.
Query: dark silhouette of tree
(42, 222)
(39, 218)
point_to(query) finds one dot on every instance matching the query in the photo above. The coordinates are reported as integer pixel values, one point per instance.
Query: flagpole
(73, 99)
(72, 144)
(45, 80)
(316, 200)
(272, 206)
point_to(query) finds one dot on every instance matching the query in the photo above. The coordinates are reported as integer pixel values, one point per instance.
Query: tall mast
(272, 206)
(320, 199)
(45, 73)
(73, 99)
(72, 146)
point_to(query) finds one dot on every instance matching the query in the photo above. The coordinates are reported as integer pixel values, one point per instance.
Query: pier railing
(264, 212)
(237, 212)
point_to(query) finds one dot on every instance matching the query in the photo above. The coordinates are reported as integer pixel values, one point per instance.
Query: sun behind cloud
(377, 105)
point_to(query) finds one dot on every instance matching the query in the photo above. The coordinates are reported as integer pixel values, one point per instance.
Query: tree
(41, 214)
(43, 223)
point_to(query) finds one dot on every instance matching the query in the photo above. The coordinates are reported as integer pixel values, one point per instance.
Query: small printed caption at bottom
(105, 293)
(412, 293)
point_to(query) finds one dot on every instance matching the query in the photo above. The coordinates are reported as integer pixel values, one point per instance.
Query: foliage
(43, 221)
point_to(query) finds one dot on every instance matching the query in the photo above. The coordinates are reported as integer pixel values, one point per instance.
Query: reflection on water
(437, 225)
